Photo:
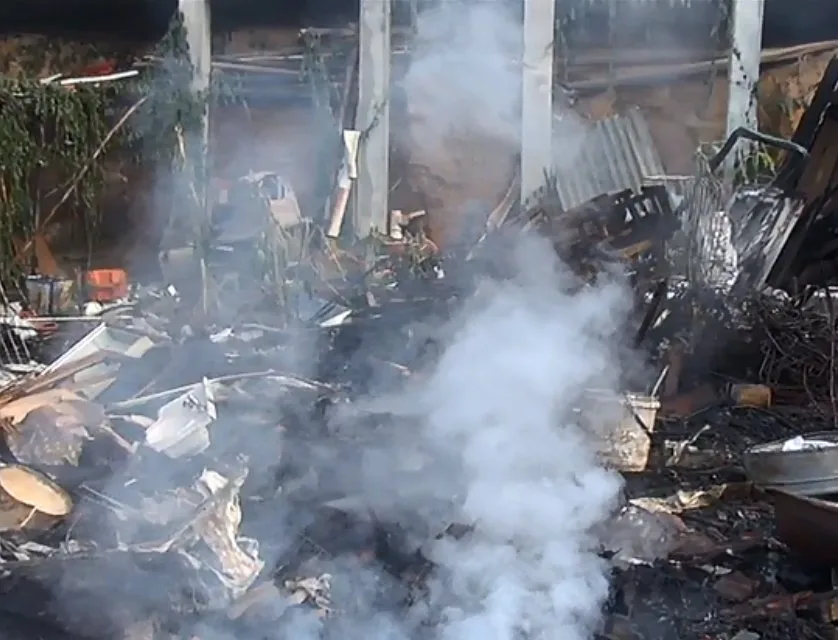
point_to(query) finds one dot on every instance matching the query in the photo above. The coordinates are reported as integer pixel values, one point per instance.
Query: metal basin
(806, 472)
(808, 526)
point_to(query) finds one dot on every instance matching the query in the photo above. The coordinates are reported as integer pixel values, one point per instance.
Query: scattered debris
(751, 395)
(118, 458)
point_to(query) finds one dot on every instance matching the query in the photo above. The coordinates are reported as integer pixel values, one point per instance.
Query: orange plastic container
(107, 285)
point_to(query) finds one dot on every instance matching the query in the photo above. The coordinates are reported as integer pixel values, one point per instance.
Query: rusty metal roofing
(617, 153)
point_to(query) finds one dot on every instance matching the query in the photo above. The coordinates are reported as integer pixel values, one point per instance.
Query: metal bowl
(805, 472)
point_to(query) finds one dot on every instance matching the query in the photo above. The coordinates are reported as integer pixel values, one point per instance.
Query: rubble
(159, 445)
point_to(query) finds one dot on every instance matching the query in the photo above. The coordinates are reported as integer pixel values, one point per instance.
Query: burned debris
(277, 436)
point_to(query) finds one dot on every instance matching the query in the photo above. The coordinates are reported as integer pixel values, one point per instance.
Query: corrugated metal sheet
(617, 153)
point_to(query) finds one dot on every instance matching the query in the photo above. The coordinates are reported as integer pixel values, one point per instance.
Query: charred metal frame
(760, 223)
(800, 207)
(816, 177)
(744, 133)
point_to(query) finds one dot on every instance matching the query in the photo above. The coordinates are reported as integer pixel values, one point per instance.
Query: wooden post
(373, 186)
(537, 99)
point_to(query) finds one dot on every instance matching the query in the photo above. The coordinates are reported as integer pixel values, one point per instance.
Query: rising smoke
(496, 413)
(488, 438)
(497, 418)
(462, 76)
(463, 129)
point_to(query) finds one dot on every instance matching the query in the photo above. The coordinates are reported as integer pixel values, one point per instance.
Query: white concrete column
(537, 98)
(196, 21)
(743, 74)
(373, 118)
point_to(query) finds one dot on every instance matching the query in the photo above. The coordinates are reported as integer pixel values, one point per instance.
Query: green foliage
(172, 110)
(756, 164)
(166, 133)
(757, 167)
(49, 131)
(45, 128)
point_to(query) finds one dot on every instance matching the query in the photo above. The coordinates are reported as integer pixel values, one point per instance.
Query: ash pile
(609, 416)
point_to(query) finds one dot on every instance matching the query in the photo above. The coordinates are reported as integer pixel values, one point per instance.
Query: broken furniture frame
(743, 133)
(816, 181)
(733, 241)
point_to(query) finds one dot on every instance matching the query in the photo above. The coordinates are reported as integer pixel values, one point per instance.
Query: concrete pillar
(745, 52)
(537, 99)
(373, 118)
(196, 21)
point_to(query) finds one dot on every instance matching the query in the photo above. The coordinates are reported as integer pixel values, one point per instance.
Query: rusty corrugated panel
(617, 154)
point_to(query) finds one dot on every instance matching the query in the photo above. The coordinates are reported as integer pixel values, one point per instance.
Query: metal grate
(732, 245)
(13, 333)
(708, 258)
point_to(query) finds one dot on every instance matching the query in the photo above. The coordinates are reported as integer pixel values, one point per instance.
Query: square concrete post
(537, 98)
(743, 69)
(373, 187)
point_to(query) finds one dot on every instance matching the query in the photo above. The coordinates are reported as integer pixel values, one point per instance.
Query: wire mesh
(13, 347)
(709, 259)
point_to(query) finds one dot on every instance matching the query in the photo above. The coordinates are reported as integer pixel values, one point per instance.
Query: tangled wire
(799, 350)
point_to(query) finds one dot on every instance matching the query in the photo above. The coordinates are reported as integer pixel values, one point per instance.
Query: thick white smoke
(463, 94)
(464, 73)
(462, 90)
(488, 439)
(499, 405)
(497, 430)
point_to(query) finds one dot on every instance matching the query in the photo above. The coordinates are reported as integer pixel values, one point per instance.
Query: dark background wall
(146, 19)
(787, 22)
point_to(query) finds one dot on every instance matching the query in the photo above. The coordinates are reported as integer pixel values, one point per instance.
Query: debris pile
(287, 464)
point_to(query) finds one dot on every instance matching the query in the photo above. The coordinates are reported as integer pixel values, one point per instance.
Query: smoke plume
(498, 423)
(463, 90)
(488, 438)
(464, 74)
